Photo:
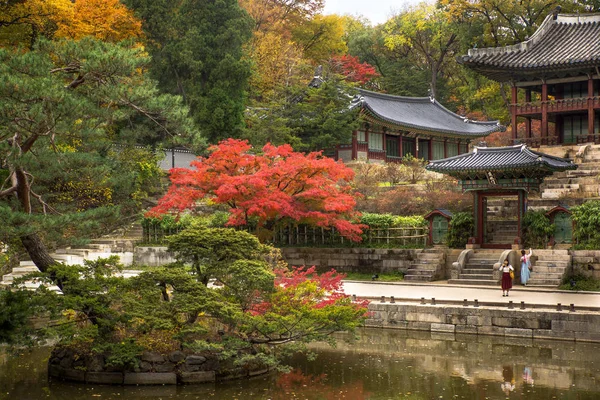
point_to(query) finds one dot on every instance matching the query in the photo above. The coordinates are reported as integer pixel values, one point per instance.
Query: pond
(380, 364)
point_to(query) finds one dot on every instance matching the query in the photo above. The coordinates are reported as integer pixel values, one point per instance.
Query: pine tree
(197, 51)
(63, 106)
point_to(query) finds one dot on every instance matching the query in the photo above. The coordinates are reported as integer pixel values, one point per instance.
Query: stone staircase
(428, 266)
(548, 267)
(97, 248)
(479, 268)
(502, 231)
(582, 183)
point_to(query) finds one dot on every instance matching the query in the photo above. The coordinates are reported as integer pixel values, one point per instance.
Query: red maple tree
(354, 71)
(273, 187)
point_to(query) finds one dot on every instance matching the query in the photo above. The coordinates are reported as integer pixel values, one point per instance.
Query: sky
(377, 11)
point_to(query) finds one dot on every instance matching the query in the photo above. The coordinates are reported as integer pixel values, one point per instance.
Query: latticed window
(375, 141)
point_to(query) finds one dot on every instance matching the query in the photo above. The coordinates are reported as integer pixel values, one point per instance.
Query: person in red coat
(506, 269)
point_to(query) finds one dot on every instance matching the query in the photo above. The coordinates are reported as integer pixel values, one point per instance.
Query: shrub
(409, 221)
(537, 229)
(377, 220)
(460, 230)
(580, 283)
(586, 218)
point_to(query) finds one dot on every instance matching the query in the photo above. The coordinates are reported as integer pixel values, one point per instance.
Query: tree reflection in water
(381, 364)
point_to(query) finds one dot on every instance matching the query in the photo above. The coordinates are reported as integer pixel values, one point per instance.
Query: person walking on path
(525, 266)
(506, 269)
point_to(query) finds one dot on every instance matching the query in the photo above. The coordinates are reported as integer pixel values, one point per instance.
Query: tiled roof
(561, 43)
(500, 158)
(421, 114)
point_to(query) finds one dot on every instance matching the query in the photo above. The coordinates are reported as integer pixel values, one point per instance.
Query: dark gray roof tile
(500, 158)
(422, 114)
(566, 43)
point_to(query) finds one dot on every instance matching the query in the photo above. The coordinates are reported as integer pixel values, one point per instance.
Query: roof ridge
(394, 96)
(548, 22)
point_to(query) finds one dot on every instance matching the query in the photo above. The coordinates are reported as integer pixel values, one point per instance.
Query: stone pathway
(443, 291)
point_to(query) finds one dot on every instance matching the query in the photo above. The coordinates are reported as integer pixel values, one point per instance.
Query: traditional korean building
(396, 126)
(554, 76)
(492, 172)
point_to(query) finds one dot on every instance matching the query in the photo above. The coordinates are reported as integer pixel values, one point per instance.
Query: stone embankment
(152, 369)
(529, 323)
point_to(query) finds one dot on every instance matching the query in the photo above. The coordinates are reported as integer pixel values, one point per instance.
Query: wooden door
(563, 228)
(439, 229)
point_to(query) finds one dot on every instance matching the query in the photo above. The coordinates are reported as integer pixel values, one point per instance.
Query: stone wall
(586, 262)
(152, 256)
(352, 259)
(152, 369)
(534, 324)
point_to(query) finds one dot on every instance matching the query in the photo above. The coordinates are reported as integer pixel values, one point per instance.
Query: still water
(380, 364)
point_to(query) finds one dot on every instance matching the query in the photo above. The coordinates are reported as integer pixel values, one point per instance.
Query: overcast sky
(377, 11)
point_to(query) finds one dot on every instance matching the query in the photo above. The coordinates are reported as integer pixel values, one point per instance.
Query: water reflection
(381, 364)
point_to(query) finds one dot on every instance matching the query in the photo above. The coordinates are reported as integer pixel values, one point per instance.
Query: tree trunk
(37, 251)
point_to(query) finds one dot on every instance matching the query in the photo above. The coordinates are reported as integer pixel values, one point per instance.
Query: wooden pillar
(590, 109)
(544, 110)
(458, 147)
(400, 144)
(513, 109)
(416, 147)
(445, 148)
(528, 120)
(367, 140)
(522, 205)
(384, 143)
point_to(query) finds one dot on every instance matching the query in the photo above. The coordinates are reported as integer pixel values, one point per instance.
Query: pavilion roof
(494, 159)
(420, 115)
(562, 43)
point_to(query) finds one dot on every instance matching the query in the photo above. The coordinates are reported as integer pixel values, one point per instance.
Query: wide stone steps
(470, 276)
(480, 282)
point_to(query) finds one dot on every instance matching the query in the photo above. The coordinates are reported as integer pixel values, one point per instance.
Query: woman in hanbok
(525, 266)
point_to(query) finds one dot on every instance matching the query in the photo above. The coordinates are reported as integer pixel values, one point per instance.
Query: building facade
(395, 126)
(554, 78)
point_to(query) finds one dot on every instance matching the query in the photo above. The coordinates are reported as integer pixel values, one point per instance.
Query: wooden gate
(563, 228)
(439, 229)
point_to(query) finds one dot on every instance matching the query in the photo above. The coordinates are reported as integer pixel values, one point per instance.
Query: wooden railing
(303, 236)
(559, 105)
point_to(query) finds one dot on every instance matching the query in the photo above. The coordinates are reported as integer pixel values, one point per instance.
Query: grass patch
(581, 283)
(362, 276)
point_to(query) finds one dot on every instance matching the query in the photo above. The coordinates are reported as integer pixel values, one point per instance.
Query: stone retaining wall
(351, 259)
(152, 256)
(533, 324)
(152, 369)
(586, 262)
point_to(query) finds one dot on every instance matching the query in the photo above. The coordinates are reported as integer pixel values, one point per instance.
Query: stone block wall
(351, 259)
(152, 368)
(152, 256)
(586, 262)
(533, 324)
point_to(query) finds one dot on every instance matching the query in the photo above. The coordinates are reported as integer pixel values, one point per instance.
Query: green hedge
(587, 225)
(462, 226)
(537, 229)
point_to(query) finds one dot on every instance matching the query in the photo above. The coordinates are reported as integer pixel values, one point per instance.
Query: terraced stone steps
(549, 267)
(427, 267)
(479, 269)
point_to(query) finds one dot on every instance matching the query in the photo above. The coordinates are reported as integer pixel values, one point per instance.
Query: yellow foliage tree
(23, 21)
(106, 20)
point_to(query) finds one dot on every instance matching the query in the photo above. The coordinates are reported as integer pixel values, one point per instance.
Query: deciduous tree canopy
(277, 186)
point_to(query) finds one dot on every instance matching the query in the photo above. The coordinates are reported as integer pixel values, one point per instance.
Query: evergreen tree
(197, 52)
(63, 106)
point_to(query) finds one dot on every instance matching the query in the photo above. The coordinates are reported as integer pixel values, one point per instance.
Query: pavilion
(394, 127)
(489, 172)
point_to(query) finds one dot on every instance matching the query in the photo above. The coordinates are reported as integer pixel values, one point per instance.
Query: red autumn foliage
(274, 187)
(328, 289)
(353, 69)
(303, 385)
